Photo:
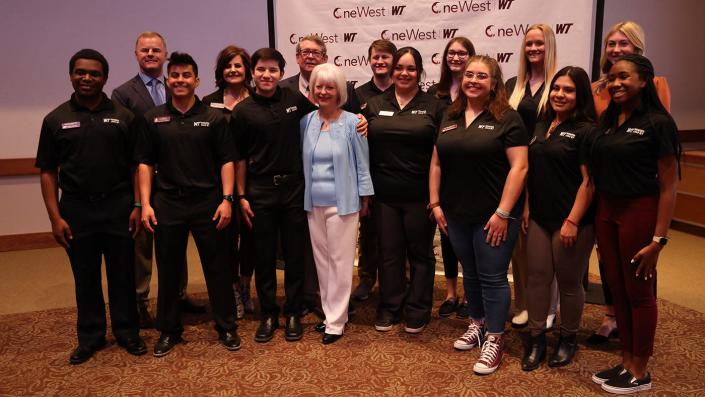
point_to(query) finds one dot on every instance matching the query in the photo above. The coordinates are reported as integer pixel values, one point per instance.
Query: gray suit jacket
(134, 96)
(352, 105)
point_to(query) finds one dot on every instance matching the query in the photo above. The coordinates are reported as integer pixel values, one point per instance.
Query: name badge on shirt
(637, 131)
(68, 126)
(217, 105)
(162, 119)
(291, 109)
(567, 135)
(386, 113)
(485, 127)
(449, 128)
(418, 111)
(201, 124)
(111, 121)
(533, 139)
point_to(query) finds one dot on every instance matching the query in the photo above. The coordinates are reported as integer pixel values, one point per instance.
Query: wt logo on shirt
(201, 124)
(637, 131)
(485, 127)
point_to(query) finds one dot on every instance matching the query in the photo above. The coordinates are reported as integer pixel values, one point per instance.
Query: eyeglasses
(311, 53)
(478, 76)
(459, 54)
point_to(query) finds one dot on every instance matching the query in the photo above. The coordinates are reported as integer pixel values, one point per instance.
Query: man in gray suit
(140, 94)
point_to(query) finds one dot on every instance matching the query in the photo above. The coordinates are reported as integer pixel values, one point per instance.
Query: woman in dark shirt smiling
(403, 125)
(528, 96)
(476, 179)
(635, 165)
(560, 224)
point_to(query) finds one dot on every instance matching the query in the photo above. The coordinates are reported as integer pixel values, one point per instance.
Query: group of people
(531, 171)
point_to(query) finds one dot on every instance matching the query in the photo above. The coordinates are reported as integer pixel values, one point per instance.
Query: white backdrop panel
(496, 28)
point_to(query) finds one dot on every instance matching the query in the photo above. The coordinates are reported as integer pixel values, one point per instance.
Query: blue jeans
(484, 270)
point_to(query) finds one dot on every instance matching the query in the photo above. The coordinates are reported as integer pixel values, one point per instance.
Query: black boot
(565, 351)
(535, 353)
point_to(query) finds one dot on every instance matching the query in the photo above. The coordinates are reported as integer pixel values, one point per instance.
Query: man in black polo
(192, 148)
(270, 188)
(141, 94)
(380, 55)
(85, 149)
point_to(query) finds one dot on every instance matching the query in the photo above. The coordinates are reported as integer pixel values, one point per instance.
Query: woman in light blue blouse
(338, 183)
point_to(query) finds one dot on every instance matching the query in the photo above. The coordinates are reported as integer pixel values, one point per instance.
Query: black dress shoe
(265, 330)
(230, 340)
(165, 344)
(146, 319)
(133, 345)
(330, 338)
(535, 354)
(82, 353)
(186, 305)
(565, 351)
(294, 331)
(320, 327)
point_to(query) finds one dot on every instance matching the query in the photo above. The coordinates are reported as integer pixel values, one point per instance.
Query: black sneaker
(448, 307)
(415, 326)
(362, 292)
(463, 311)
(626, 383)
(385, 322)
(603, 376)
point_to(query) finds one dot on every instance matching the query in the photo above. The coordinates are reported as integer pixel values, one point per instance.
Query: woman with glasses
(455, 58)
(476, 181)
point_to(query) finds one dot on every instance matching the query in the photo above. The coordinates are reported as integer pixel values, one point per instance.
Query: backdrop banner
(495, 27)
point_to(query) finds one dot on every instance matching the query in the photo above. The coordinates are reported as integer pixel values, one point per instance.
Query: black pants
(183, 214)
(85, 255)
(368, 264)
(408, 234)
(450, 261)
(278, 209)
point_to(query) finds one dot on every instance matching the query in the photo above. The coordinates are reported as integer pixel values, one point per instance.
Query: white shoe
(521, 319)
(550, 319)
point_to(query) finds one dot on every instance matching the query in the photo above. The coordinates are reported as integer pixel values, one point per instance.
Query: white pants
(333, 239)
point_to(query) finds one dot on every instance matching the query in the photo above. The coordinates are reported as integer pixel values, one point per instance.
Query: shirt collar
(146, 79)
(197, 108)
(105, 104)
(274, 98)
(303, 85)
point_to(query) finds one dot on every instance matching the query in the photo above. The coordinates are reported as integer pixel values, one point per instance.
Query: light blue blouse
(351, 163)
(322, 173)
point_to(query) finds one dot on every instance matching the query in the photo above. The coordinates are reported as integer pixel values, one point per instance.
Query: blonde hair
(329, 73)
(549, 67)
(635, 35)
(148, 35)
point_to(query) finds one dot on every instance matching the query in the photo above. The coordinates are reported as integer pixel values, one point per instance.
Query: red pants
(624, 226)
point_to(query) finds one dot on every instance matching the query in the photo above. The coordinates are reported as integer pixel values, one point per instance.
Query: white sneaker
(471, 338)
(521, 319)
(550, 319)
(491, 355)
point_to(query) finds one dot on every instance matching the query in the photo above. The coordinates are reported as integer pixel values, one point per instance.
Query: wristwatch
(228, 197)
(660, 240)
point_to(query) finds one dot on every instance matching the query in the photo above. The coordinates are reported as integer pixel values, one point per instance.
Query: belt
(276, 180)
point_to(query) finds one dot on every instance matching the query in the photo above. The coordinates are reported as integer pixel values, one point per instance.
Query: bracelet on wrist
(571, 222)
(431, 206)
(138, 204)
(502, 213)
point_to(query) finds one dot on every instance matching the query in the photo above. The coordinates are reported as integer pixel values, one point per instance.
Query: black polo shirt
(216, 100)
(367, 91)
(188, 149)
(625, 158)
(433, 90)
(267, 132)
(554, 172)
(529, 104)
(474, 164)
(91, 148)
(401, 144)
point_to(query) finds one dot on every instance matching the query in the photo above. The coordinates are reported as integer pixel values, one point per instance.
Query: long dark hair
(224, 57)
(418, 60)
(650, 102)
(497, 103)
(446, 74)
(584, 111)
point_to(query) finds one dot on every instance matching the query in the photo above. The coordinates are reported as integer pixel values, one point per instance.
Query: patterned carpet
(34, 349)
